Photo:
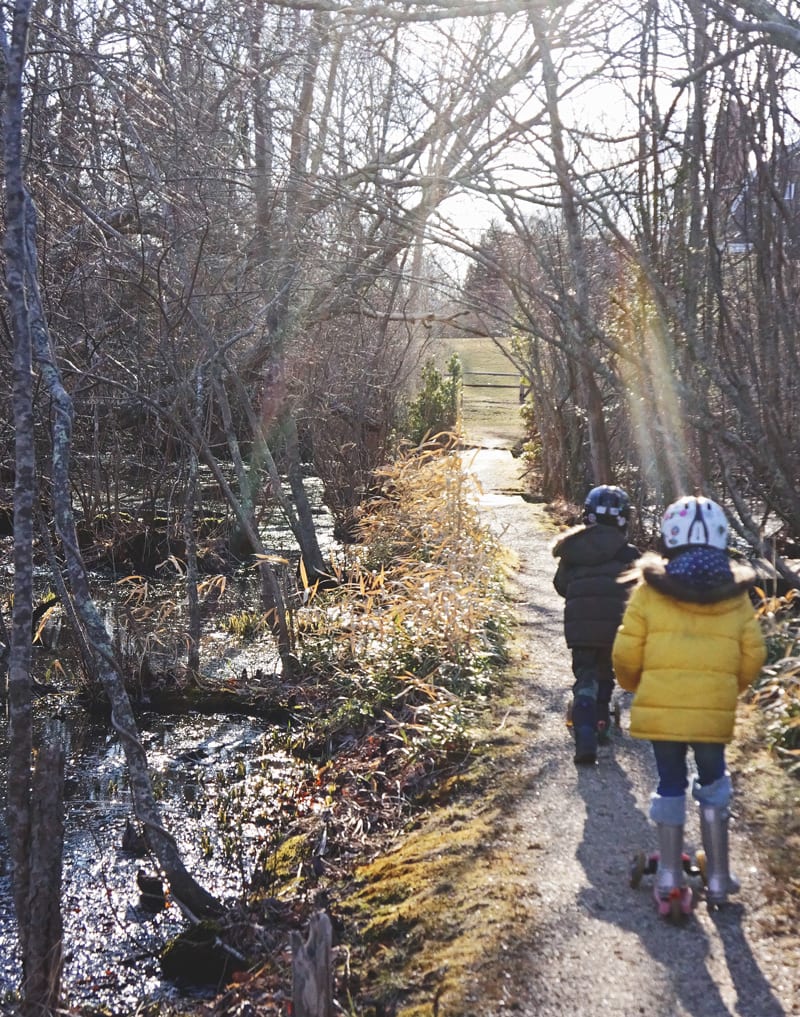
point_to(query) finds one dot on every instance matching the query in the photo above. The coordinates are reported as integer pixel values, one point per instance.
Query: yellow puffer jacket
(687, 660)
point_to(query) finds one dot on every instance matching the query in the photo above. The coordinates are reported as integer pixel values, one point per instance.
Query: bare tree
(33, 347)
(591, 400)
(687, 209)
(255, 243)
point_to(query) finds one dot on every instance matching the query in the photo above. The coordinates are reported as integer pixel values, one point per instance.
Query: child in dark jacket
(591, 559)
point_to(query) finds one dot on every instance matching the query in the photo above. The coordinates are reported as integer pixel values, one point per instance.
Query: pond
(217, 779)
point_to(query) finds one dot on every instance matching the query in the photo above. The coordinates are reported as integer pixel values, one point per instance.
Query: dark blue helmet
(607, 505)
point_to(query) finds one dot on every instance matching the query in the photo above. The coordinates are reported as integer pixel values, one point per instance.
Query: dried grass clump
(418, 617)
(777, 692)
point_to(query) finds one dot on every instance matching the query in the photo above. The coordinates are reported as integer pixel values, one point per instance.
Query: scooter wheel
(702, 866)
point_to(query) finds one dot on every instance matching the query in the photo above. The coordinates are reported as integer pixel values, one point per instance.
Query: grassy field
(490, 402)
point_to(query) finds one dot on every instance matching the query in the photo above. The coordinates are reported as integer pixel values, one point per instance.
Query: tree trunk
(43, 947)
(35, 822)
(276, 416)
(67, 605)
(304, 530)
(192, 593)
(194, 898)
(600, 458)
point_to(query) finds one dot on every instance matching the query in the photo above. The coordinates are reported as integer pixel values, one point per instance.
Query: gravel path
(598, 945)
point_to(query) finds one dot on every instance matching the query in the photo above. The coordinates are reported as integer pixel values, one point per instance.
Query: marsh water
(200, 767)
(218, 780)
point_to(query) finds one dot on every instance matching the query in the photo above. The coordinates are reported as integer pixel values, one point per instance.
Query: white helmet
(694, 522)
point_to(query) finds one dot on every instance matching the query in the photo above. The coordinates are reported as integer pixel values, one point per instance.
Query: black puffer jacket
(592, 558)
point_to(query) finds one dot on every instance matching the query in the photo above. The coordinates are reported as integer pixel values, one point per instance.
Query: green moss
(435, 916)
(288, 857)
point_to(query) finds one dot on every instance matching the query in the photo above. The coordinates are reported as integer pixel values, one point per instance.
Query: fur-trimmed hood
(589, 545)
(651, 568)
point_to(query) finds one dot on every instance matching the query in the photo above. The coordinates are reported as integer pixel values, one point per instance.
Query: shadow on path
(682, 952)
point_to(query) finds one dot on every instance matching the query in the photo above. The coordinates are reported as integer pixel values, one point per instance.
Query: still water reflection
(198, 764)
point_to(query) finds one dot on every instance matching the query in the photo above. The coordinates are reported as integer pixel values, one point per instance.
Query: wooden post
(312, 969)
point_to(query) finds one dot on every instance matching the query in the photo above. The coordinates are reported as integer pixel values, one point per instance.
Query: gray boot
(670, 873)
(714, 834)
(669, 815)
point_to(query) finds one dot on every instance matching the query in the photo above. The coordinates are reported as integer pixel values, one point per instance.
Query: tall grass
(414, 627)
(777, 691)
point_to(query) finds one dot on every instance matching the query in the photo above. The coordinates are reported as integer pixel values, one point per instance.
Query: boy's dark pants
(594, 683)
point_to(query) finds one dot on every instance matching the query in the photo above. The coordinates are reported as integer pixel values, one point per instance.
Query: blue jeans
(673, 777)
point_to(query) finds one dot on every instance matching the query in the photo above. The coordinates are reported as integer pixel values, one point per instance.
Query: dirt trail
(598, 945)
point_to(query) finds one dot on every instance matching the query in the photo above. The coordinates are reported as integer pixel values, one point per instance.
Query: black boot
(584, 723)
(603, 723)
(585, 746)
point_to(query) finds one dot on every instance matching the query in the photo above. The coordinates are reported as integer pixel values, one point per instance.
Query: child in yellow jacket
(689, 643)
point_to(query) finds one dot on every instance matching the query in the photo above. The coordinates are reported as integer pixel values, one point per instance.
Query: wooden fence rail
(489, 374)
